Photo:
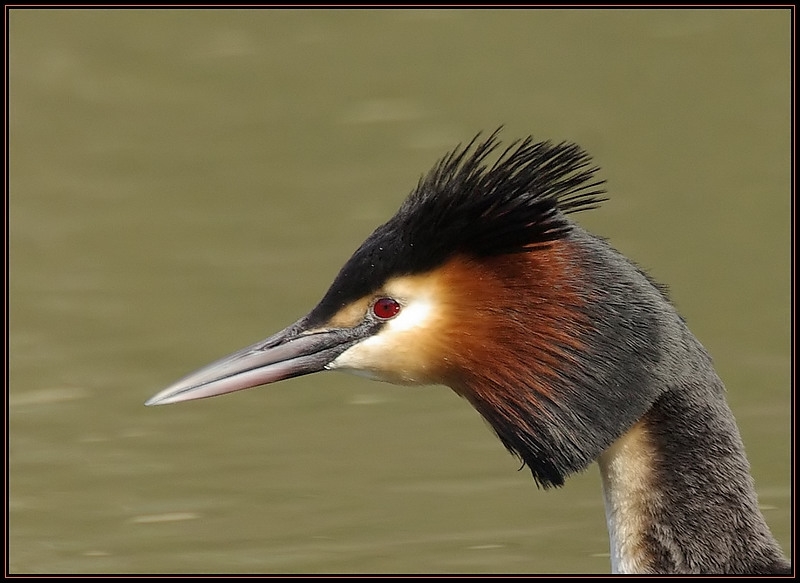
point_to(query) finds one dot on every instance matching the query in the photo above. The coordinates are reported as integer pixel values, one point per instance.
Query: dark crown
(467, 205)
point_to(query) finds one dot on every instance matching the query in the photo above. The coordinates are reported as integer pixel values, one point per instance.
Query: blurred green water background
(185, 182)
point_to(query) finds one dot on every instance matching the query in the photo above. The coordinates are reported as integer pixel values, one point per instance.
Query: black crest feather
(472, 206)
(466, 205)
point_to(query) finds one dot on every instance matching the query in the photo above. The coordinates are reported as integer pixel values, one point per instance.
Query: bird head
(479, 282)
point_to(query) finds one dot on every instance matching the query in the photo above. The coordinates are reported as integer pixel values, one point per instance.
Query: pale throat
(627, 472)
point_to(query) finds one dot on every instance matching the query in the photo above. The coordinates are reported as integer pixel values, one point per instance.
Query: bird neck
(678, 494)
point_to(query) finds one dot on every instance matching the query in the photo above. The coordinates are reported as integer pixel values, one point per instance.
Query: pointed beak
(291, 352)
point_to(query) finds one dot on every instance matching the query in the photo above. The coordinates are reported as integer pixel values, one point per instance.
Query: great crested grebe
(569, 351)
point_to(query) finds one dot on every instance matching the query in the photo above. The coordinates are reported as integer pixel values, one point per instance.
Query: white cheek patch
(388, 354)
(414, 315)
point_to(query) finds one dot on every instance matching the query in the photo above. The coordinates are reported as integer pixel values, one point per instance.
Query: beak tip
(164, 397)
(154, 400)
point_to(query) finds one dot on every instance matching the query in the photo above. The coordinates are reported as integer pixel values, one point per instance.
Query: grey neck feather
(678, 493)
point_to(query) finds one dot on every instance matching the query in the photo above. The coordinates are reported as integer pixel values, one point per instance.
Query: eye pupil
(386, 308)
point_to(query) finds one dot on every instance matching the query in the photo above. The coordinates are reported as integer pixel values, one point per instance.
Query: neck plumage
(602, 367)
(678, 493)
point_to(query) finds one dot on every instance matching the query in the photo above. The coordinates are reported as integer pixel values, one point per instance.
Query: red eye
(385, 308)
